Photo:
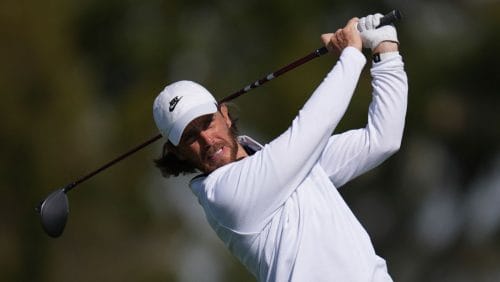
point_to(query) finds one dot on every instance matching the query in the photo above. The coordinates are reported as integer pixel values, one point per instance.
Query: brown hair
(170, 165)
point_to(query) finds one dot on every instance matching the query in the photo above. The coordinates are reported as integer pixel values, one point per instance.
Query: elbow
(393, 147)
(387, 148)
(383, 144)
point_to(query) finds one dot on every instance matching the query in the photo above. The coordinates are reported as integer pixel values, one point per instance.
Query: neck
(241, 153)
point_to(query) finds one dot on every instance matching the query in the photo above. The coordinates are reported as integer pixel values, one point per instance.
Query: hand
(371, 36)
(344, 37)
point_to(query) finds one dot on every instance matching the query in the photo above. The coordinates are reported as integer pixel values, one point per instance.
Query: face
(207, 142)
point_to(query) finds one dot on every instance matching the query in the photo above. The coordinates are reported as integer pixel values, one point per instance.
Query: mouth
(215, 154)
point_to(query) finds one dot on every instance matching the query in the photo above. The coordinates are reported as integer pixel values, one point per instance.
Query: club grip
(389, 18)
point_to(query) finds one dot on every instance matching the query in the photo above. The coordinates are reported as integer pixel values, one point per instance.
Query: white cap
(178, 104)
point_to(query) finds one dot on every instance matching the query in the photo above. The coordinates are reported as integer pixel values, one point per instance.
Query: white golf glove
(372, 36)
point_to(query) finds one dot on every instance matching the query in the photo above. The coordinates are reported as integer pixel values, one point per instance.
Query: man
(276, 207)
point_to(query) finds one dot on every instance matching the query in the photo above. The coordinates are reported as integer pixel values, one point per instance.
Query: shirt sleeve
(244, 194)
(354, 152)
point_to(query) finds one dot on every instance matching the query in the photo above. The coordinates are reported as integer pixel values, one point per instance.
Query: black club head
(54, 212)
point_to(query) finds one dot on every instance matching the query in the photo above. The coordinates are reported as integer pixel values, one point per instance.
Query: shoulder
(196, 183)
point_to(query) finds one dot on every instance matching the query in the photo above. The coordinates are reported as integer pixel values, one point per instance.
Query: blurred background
(77, 82)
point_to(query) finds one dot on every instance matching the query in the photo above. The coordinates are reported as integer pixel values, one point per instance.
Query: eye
(209, 122)
(188, 138)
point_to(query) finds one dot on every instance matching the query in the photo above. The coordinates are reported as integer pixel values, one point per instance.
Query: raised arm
(352, 153)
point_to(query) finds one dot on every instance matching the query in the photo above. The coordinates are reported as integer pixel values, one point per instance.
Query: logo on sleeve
(173, 103)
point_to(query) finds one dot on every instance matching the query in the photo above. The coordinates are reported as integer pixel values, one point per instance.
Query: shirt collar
(250, 145)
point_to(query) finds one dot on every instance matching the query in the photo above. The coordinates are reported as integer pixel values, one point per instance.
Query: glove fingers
(362, 24)
(369, 22)
(376, 19)
(371, 36)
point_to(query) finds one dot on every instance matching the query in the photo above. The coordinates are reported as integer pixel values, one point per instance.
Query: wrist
(386, 46)
(379, 57)
(356, 46)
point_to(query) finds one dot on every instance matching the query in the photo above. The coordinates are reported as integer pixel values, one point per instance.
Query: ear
(225, 113)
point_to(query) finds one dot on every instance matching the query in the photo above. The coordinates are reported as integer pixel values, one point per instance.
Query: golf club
(54, 209)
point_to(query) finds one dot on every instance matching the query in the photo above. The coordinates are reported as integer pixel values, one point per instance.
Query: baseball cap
(178, 104)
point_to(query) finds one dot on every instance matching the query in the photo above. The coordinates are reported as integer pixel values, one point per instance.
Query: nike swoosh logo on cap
(173, 103)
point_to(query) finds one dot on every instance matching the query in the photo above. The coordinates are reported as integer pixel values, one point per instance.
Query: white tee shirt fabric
(279, 211)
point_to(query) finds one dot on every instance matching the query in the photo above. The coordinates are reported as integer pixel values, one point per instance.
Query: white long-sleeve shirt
(278, 210)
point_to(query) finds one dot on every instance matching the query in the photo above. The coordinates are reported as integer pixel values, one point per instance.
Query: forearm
(388, 108)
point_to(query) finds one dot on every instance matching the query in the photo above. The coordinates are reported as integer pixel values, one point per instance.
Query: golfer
(276, 206)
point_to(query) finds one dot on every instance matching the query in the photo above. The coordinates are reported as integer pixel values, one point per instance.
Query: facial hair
(208, 165)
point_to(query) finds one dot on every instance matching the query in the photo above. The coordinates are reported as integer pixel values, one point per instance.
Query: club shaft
(114, 161)
(314, 54)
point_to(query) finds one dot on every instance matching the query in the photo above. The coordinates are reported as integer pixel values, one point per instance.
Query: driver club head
(54, 212)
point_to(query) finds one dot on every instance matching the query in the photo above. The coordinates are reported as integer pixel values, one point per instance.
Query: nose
(206, 138)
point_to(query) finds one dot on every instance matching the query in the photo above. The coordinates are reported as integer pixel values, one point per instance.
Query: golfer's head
(179, 104)
(199, 130)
